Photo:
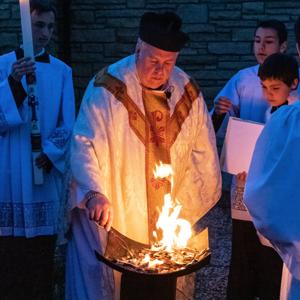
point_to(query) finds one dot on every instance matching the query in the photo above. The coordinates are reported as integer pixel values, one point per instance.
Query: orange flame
(151, 263)
(176, 231)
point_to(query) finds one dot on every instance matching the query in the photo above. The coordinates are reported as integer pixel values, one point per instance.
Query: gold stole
(157, 149)
(157, 130)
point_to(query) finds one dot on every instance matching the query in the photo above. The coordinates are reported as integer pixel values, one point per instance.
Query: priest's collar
(158, 89)
(166, 88)
(42, 56)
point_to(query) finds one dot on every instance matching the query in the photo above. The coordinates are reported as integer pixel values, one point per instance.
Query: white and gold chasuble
(121, 132)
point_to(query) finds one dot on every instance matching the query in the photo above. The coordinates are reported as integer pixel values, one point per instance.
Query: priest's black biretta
(162, 31)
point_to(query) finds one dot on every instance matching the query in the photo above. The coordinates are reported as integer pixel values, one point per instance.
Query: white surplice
(27, 209)
(245, 92)
(272, 192)
(108, 157)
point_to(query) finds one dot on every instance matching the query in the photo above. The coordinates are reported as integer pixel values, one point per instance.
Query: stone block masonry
(94, 33)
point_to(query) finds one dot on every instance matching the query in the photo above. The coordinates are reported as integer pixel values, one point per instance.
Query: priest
(135, 113)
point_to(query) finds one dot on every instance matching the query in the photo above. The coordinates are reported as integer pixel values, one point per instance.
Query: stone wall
(94, 33)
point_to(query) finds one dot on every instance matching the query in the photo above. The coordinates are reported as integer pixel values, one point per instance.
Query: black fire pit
(143, 285)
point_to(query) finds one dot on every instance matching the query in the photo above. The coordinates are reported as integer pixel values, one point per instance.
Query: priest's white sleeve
(201, 186)
(205, 159)
(88, 136)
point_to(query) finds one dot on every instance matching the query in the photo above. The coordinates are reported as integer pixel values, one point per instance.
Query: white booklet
(239, 145)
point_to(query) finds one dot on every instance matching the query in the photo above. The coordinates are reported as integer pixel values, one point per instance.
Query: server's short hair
(279, 66)
(277, 25)
(42, 6)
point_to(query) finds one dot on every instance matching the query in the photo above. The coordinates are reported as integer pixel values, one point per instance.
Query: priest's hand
(222, 105)
(100, 210)
(21, 67)
(43, 161)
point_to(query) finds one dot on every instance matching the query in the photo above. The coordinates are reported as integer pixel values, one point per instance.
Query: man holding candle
(137, 112)
(29, 212)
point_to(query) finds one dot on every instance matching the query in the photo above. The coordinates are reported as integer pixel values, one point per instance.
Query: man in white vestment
(271, 193)
(29, 212)
(135, 113)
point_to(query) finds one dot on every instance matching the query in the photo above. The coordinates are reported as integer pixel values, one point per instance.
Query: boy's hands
(222, 105)
(22, 67)
(43, 161)
(100, 210)
(241, 178)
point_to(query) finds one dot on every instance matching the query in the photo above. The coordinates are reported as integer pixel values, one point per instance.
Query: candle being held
(26, 28)
(31, 91)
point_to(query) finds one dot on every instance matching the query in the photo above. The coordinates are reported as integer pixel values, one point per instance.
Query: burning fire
(170, 253)
(152, 263)
(176, 232)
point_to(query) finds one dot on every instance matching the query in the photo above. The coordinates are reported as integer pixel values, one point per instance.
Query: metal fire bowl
(118, 246)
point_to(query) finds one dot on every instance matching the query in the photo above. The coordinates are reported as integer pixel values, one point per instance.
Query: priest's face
(42, 29)
(154, 65)
(266, 42)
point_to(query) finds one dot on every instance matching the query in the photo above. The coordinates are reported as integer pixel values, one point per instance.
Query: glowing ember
(160, 261)
(176, 231)
(150, 263)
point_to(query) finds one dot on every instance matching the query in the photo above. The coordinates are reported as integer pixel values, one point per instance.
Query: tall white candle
(28, 52)
(26, 28)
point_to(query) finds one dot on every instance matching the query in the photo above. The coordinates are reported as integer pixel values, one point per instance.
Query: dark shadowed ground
(212, 280)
